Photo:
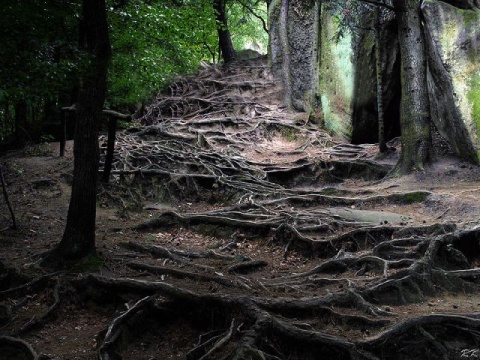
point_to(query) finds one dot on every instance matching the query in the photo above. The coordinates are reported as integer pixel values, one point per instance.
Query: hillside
(234, 228)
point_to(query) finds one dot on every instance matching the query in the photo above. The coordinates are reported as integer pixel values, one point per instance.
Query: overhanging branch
(251, 11)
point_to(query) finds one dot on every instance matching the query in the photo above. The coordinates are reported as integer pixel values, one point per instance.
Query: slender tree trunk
(379, 73)
(224, 39)
(285, 48)
(21, 134)
(79, 237)
(49, 112)
(63, 132)
(5, 125)
(7, 201)
(415, 107)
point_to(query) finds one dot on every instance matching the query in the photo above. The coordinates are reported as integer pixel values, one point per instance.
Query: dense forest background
(43, 56)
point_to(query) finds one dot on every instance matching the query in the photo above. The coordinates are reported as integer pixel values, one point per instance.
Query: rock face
(300, 46)
(453, 39)
(318, 75)
(339, 76)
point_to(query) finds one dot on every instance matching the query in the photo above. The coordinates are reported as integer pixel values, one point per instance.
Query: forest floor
(234, 228)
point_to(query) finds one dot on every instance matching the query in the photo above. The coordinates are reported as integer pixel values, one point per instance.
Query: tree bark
(224, 39)
(79, 237)
(7, 200)
(21, 111)
(415, 107)
(379, 74)
(286, 60)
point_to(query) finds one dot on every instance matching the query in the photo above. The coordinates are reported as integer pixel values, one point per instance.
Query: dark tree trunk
(415, 108)
(21, 134)
(5, 125)
(63, 132)
(79, 237)
(379, 73)
(7, 201)
(49, 111)
(224, 40)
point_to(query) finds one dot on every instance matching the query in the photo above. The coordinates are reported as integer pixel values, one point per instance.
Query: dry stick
(5, 195)
(220, 342)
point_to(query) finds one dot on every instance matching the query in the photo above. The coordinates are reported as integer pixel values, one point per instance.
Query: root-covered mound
(262, 237)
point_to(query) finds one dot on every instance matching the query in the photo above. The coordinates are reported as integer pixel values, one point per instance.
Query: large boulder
(453, 41)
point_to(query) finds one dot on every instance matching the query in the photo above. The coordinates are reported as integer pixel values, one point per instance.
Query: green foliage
(39, 58)
(154, 41)
(246, 29)
(474, 99)
(38, 54)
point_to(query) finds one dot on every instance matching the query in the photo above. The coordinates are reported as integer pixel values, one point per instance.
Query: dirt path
(235, 229)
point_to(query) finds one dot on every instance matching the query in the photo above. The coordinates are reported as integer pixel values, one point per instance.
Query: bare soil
(236, 229)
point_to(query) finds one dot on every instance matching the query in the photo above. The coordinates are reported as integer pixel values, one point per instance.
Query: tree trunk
(49, 112)
(79, 237)
(379, 74)
(21, 134)
(63, 132)
(7, 201)
(224, 40)
(415, 108)
(5, 125)
(285, 48)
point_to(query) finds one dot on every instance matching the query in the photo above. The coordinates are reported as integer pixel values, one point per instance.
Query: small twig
(220, 342)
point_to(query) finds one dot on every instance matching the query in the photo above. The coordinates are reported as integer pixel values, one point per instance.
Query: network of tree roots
(296, 266)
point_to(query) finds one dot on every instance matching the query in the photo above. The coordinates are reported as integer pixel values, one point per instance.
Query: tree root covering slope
(234, 228)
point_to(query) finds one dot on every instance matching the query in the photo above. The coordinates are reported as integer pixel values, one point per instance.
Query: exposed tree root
(184, 274)
(28, 287)
(37, 321)
(14, 348)
(267, 322)
(328, 275)
(107, 349)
